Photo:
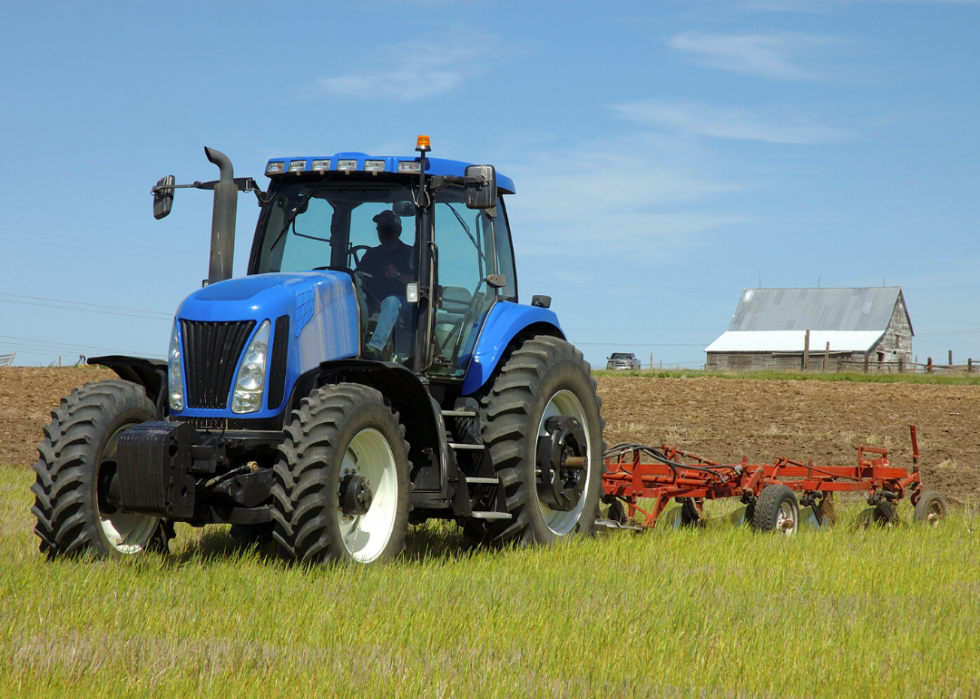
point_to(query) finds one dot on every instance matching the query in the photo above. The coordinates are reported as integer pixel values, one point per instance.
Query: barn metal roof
(816, 309)
(793, 341)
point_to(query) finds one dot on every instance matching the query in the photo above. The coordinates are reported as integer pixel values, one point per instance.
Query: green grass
(937, 378)
(851, 612)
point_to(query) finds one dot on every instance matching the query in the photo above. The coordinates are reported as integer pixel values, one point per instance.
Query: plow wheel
(340, 489)
(776, 510)
(931, 508)
(543, 430)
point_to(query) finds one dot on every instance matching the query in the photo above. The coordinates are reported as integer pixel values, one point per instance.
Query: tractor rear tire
(544, 378)
(931, 508)
(341, 433)
(77, 461)
(776, 510)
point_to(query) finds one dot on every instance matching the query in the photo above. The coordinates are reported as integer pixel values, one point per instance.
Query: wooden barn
(868, 327)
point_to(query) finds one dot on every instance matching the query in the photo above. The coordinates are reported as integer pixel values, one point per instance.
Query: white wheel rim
(786, 519)
(127, 532)
(369, 456)
(564, 403)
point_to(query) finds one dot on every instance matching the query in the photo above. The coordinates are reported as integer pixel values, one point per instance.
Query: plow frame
(686, 477)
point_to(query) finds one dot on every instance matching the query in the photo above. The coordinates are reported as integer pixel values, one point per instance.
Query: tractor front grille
(211, 352)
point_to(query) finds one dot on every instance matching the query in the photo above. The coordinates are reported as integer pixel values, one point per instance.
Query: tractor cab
(425, 276)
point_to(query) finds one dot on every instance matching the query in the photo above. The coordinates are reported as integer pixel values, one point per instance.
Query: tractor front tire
(544, 381)
(76, 465)
(342, 437)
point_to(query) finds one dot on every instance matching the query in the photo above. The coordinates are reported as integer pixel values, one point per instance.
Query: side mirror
(480, 183)
(403, 208)
(163, 197)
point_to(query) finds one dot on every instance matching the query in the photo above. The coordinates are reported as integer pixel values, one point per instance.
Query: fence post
(651, 361)
(969, 366)
(865, 363)
(840, 361)
(929, 365)
(826, 357)
(951, 357)
(806, 351)
(901, 363)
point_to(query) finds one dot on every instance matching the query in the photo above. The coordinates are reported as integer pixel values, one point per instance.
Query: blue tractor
(373, 369)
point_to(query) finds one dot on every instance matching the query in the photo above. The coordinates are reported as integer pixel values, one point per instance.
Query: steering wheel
(354, 250)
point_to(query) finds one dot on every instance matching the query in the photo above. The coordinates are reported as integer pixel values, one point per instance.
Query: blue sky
(666, 154)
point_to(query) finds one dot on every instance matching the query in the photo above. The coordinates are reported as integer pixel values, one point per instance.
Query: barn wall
(752, 361)
(897, 341)
(763, 361)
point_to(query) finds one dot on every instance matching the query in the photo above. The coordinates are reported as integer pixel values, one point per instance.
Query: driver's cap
(388, 218)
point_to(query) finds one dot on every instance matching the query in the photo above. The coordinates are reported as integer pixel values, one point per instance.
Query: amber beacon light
(422, 144)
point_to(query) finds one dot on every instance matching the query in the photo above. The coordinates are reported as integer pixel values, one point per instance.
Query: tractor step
(492, 515)
(483, 481)
(464, 447)
(459, 413)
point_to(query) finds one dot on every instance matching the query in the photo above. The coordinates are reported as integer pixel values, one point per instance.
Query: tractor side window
(466, 257)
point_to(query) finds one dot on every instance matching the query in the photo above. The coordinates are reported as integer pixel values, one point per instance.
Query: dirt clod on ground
(721, 419)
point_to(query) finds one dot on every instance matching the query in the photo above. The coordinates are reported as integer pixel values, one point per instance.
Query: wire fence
(899, 367)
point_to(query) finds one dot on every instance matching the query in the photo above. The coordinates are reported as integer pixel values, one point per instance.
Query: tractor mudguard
(398, 384)
(151, 374)
(506, 321)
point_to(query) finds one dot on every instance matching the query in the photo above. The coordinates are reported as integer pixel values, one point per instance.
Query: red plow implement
(773, 493)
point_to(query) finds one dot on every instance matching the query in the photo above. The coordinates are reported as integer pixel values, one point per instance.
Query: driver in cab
(390, 266)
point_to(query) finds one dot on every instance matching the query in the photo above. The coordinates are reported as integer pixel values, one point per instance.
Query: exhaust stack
(222, 218)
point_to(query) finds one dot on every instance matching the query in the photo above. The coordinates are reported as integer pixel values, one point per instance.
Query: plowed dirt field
(722, 419)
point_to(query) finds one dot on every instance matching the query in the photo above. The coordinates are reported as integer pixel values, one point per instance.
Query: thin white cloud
(763, 55)
(614, 203)
(415, 70)
(769, 125)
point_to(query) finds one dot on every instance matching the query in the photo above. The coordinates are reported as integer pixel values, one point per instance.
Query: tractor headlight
(175, 376)
(250, 386)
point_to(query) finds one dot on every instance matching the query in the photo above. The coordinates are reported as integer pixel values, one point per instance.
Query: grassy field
(850, 612)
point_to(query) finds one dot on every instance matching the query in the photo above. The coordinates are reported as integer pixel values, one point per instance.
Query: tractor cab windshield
(371, 230)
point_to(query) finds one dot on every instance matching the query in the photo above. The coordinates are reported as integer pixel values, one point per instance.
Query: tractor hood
(322, 313)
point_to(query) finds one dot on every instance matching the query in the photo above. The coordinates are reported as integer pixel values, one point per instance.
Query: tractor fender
(505, 322)
(408, 396)
(151, 374)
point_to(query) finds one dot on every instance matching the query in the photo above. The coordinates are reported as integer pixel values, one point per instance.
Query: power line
(52, 346)
(649, 344)
(83, 303)
(82, 240)
(945, 333)
(85, 310)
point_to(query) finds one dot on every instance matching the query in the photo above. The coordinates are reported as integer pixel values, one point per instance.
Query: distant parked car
(623, 360)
